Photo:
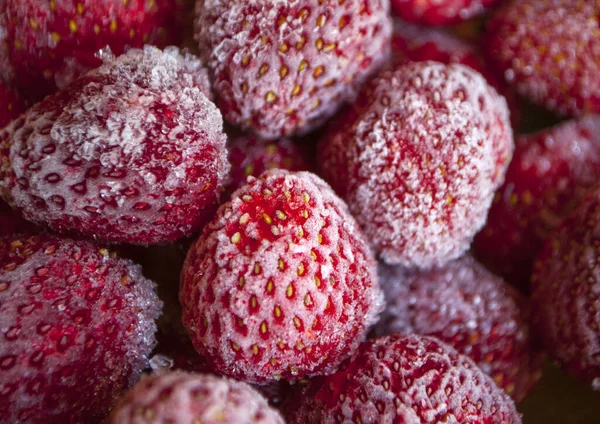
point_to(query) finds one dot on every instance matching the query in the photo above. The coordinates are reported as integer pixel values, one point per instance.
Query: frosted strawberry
(11, 104)
(404, 379)
(418, 159)
(76, 328)
(565, 291)
(472, 310)
(282, 68)
(182, 398)
(131, 152)
(49, 43)
(439, 12)
(550, 173)
(281, 284)
(549, 50)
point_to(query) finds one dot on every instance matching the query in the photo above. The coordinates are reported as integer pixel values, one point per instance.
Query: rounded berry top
(76, 328)
(284, 67)
(183, 398)
(405, 379)
(131, 152)
(418, 160)
(281, 283)
(466, 306)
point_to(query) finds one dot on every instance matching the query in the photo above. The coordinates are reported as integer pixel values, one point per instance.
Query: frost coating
(283, 67)
(182, 398)
(281, 283)
(418, 160)
(133, 151)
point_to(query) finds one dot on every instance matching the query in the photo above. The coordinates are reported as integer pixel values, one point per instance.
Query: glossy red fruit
(131, 152)
(472, 310)
(182, 398)
(418, 159)
(49, 43)
(549, 50)
(439, 12)
(281, 284)
(11, 104)
(283, 68)
(550, 173)
(565, 289)
(76, 328)
(404, 379)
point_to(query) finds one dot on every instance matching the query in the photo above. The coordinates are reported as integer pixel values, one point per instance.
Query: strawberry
(281, 284)
(549, 50)
(418, 159)
(11, 104)
(565, 291)
(439, 12)
(52, 42)
(131, 152)
(77, 327)
(182, 398)
(251, 156)
(472, 310)
(549, 175)
(282, 68)
(404, 379)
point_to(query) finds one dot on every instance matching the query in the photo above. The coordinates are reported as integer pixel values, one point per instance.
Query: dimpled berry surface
(76, 328)
(281, 283)
(131, 152)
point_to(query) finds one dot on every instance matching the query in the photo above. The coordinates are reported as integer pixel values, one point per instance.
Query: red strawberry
(77, 327)
(418, 160)
(565, 292)
(282, 68)
(404, 379)
(281, 284)
(549, 50)
(549, 175)
(131, 152)
(182, 398)
(51, 42)
(251, 156)
(439, 12)
(11, 104)
(472, 310)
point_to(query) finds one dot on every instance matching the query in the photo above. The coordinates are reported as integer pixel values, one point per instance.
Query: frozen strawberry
(11, 104)
(404, 379)
(131, 152)
(76, 328)
(281, 68)
(565, 289)
(51, 42)
(439, 12)
(549, 50)
(251, 156)
(418, 159)
(472, 310)
(182, 398)
(549, 175)
(281, 284)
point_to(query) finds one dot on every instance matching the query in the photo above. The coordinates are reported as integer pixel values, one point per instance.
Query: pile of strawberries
(345, 221)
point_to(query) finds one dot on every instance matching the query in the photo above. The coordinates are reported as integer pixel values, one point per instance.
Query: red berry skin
(183, 398)
(283, 68)
(406, 380)
(549, 50)
(549, 175)
(439, 12)
(565, 291)
(472, 310)
(11, 104)
(52, 42)
(77, 326)
(281, 284)
(131, 152)
(418, 159)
